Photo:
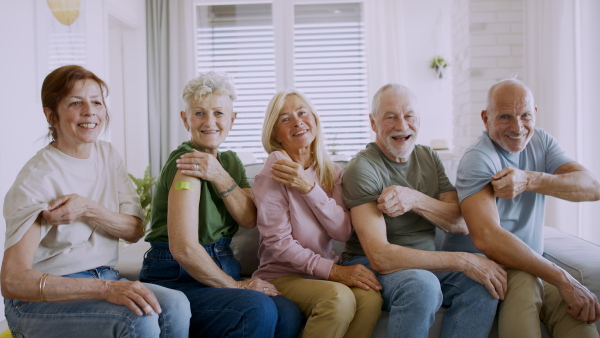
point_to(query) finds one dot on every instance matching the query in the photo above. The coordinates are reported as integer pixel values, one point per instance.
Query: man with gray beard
(398, 194)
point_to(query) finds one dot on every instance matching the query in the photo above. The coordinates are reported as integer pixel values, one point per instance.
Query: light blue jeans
(98, 318)
(414, 296)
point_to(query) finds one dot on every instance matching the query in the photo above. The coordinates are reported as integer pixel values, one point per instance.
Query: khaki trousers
(529, 300)
(332, 309)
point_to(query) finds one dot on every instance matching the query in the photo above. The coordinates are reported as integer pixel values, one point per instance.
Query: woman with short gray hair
(200, 199)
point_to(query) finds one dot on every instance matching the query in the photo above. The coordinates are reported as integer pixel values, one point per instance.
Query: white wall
(22, 123)
(427, 30)
(590, 102)
(488, 46)
(552, 46)
(563, 42)
(403, 37)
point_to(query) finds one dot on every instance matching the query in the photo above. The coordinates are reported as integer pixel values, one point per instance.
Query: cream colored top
(69, 248)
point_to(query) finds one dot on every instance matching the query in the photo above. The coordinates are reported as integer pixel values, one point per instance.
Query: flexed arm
(443, 213)
(385, 257)
(68, 208)
(238, 201)
(182, 221)
(571, 181)
(481, 215)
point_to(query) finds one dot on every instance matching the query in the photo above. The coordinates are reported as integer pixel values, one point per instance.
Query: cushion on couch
(580, 258)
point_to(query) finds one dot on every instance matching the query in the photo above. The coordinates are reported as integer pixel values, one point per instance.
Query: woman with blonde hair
(300, 212)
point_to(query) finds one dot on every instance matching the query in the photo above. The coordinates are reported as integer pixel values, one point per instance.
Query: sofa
(578, 257)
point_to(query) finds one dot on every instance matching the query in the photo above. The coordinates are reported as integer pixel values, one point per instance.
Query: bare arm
(481, 215)
(385, 257)
(184, 243)
(20, 281)
(68, 208)
(444, 213)
(571, 181)
(239, 202)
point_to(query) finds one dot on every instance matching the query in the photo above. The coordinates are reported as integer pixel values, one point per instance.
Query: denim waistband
(160, 250)
(101, 272)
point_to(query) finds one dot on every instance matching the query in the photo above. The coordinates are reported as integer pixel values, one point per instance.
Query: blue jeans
(97, 317)
(218, 312)
(414, 296)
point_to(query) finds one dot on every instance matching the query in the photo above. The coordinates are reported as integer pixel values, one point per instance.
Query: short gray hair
(207, 83)
(396, 88)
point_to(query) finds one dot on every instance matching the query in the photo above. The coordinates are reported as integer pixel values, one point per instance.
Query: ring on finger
(265, 289)
(196, 167)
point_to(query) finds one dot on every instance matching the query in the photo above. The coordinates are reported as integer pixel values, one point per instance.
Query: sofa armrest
(580, 258)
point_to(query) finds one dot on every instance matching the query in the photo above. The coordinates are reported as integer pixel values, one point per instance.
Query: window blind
(66, 49)
(329, 66)
(239, 40)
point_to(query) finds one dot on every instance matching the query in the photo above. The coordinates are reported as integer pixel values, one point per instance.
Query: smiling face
(295, 128)
(81, 116)
(396, 124)
(511, 121)
(209, 121)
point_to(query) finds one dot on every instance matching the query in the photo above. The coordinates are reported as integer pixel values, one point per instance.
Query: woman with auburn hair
(65, 214)
(300, 212)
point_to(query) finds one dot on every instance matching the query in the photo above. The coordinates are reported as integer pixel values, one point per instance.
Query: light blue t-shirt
(523, 215)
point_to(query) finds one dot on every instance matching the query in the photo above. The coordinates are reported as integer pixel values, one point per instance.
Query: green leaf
(144, 187)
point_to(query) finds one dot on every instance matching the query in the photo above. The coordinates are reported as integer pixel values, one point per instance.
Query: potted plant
(438, 64)
(144, 189)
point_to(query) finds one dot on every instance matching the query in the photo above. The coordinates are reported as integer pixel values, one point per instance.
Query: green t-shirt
(214, 221)
(371, 171)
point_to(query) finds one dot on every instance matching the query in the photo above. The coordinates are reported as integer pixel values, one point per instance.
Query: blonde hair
(205, 84)
(320, 159)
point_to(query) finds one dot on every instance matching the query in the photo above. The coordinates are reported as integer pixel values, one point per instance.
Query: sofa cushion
(578, 257)
(245, 248)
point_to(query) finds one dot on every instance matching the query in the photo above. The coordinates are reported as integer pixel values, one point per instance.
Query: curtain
(165, 32)
(562, 45)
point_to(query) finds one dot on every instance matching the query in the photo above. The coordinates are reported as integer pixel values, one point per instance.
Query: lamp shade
(65, 11)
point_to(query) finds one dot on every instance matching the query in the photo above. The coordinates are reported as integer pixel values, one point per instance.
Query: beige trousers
(529, 300)
(332, 309)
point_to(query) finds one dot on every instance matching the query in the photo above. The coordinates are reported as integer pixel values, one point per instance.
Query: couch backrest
(245, 242)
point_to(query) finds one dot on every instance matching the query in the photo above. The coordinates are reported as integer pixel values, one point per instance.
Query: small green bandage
(184, 185)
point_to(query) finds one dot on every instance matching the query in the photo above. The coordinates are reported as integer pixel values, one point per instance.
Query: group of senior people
(73, 201)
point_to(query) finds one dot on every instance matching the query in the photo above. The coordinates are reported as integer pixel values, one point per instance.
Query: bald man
(503, 180)
(398, 194)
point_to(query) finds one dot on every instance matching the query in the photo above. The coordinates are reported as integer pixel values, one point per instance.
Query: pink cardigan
(296, 230)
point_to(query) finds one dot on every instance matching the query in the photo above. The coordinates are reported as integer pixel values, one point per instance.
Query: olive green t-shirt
(214, 221)
(371, 171)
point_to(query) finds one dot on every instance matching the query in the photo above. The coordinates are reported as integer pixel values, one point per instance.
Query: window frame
(383, 36)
